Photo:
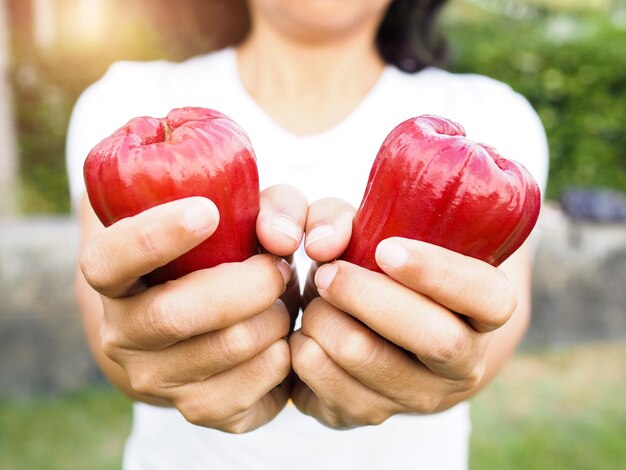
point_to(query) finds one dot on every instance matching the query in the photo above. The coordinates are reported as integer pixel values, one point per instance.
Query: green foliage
(46, 84)
(43, 109)
(571, 68)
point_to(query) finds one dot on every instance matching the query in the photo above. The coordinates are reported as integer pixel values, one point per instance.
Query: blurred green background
(568, 57)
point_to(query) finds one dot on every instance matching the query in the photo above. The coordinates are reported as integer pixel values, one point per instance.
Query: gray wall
(579, 296)
(41, 344)
(579, 286)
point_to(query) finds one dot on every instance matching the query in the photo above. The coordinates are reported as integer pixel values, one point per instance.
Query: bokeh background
(559, 404)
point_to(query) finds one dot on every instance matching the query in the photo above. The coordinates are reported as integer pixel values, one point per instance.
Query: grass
(84, 430)
(558, 410)
(548, 411)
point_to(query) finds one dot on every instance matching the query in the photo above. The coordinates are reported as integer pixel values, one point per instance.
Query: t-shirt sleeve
(122, 93)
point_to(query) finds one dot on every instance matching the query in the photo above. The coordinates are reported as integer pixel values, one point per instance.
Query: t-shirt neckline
(262, 115)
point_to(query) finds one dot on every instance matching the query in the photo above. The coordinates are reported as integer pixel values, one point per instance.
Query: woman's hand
(413, 340)
(211, 343)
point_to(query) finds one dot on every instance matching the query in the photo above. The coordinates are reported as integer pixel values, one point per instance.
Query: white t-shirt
(332, 163)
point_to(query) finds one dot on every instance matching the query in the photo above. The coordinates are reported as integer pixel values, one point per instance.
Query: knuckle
(144, 381)
(474, 377)
(426, 404)
(229, 412)
(269, 284)
(277, 362)
(238, 426)
(448, 347)
(284, 319)
(91, 267)
(308, 360)
(430, 406)
(223, 411)
(110, 341)
(346, 416)
(239, 343)
(275, 321)
(281, 358)
(146, 247)
(194, 413)
(314, 305)
(376, 418)
(369, 416)
(299, 364)
(205, 411)
(360, 350)
(509, 302)
(504, 305)
(313, 313)
(244, 403)
(163, 322)
(335, 420)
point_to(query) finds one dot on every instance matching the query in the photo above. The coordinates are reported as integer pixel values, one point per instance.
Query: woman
(316, 85)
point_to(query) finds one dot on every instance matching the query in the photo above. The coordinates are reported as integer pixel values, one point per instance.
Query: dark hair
(408, 36)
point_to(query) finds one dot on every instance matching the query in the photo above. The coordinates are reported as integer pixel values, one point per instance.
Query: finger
(292, 297)
(281, 220)
(443, 341)
(341, 400)
(328, 228)
(239, 399)
(205, 355)
(379, 364)
(310, 289)
(463, 284)
(201, 302)
(268, 406)
(309, 404)
(119, 255)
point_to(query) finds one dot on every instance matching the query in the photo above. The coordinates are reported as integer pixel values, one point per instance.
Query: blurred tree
(8, 156)
(570, 65)
(62, 46)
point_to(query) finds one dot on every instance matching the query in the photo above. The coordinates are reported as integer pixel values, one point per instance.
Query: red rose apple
(191, 152)
(430, 183)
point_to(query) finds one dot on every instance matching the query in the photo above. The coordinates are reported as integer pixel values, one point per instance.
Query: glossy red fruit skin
(430, 183)
(190, 152)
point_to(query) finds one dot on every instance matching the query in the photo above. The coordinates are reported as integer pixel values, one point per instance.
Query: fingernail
(325, 275)
(286, 225)
(318, 233)
(201, 216)
(284, 268)
(391, 254)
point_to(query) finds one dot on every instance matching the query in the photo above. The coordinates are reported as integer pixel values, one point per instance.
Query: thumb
(281, 220)
(328, 228)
